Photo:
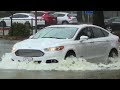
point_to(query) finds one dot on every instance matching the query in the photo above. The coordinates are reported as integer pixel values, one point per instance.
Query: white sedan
(22, 18)
(57, 42)
(65, 18)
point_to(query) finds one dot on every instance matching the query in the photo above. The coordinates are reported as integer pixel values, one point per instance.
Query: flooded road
(70, 69)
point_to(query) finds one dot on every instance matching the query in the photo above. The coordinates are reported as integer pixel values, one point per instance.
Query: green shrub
(19, 29)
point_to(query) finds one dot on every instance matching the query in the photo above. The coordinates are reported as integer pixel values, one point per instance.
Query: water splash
(64, 65)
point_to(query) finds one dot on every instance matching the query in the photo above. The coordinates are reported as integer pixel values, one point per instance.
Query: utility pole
(11, 12)
(83, 16)
(35, 21)
(88, 18)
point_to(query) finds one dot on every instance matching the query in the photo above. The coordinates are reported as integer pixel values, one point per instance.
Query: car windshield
(56, 32)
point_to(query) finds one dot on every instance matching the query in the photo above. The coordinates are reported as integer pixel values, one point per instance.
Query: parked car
(65, 18)
(110, 20)
(48, 16)
(22, 18)
(113, 24)
(58, 42)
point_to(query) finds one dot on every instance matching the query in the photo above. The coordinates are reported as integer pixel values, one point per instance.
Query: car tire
(65, 22)
(70, 54)
(113, 54)
(2, 24)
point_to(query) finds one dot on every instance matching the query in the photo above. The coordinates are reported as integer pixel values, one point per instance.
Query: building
(111, 14)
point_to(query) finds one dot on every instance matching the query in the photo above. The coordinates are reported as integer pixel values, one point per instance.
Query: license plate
(27, 59)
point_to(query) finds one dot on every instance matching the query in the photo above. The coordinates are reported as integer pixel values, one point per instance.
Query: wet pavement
(23, 74)
(6, 46)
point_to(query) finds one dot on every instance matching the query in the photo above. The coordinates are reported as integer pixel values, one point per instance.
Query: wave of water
(64, 65)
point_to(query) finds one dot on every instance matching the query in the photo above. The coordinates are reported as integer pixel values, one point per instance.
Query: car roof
(62, 12)
(23, 13)
(77, 26)
(40, 11)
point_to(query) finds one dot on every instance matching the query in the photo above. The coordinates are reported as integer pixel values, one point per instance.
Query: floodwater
(71, 68)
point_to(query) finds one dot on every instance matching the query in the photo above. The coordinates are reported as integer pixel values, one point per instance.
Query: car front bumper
(47, 56)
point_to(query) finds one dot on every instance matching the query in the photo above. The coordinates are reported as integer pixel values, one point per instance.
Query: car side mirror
(31, 37)
(83, 38)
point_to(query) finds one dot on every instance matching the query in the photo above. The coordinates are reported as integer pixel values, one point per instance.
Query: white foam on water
(64, 65)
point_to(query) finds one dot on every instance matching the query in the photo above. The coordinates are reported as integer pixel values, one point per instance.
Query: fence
(5, 24)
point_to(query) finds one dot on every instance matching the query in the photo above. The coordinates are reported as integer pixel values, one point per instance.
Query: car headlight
(13, 49)
(54, 48)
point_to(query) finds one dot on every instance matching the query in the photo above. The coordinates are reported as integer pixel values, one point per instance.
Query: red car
(49, 18)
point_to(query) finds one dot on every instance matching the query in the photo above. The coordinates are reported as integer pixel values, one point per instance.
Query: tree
(98, 18)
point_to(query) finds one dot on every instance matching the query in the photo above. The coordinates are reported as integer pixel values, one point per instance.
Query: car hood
(40, 43)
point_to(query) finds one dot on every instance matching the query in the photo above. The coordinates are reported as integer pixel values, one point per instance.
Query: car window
(18, 16)
(71, 15)
(97, 32)
(25, 16)
(113, 19)
(59, 15)
(85, 32)
(51, 14)
(117, 20)
(105, 33)
(38, 13)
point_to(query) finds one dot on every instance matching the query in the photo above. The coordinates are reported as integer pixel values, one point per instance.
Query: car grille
(29, 53)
